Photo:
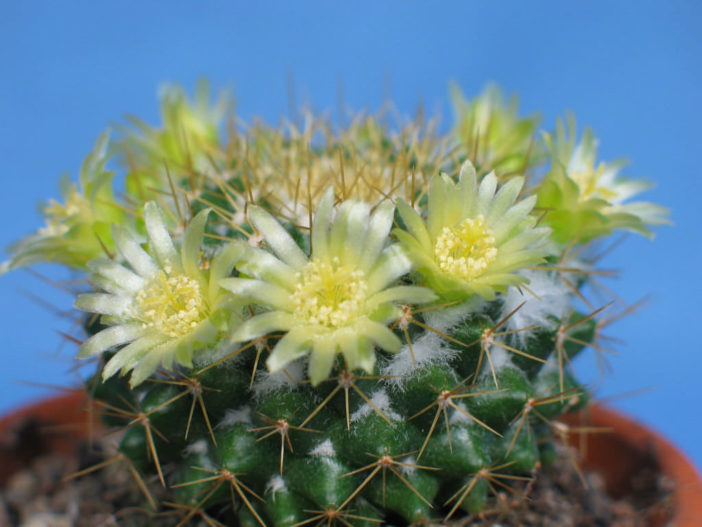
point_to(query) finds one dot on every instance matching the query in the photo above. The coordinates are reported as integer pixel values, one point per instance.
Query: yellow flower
(474, 238)
(162, 305)
(338, 300)
(77, 230)
(585, 200)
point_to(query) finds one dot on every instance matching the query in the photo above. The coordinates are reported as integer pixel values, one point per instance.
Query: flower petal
(354, 236)
(525, 239)
(403, 293)
(127, 357)
(467, 189)
(415, 225)
(262, 264)
(262, 293)
(504, 198)
(192, 244)
(321, 359)
(150, 362)
(439, 194)
(103, 304)
(418, 255)
(358, 351)
(392, 264)
(381, 335)
(486, 192)
(511, 218)
(222, 265)
(160, 241)
(130, 249)
(320, 225)
(262, 325)
(109, 338)
(277, 237)
(292, 346)
(378, 229)
(121, 277)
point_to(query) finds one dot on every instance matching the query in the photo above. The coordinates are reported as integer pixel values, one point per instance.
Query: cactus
(323, 326)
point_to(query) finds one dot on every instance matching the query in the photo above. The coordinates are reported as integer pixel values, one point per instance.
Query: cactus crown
(355, 326)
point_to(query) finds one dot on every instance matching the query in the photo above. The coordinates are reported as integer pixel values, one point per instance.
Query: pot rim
(71, 412)
(618, 454)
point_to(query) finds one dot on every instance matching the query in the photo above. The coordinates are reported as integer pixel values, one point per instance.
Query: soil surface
(41, 496)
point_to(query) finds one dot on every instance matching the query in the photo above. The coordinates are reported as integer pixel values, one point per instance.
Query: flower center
(171, 303)
(467, 249)
(57, 214)
(328, 293)
(587, 182)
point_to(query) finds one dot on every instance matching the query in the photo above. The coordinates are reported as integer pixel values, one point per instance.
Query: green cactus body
(408, 445)
(335, 328)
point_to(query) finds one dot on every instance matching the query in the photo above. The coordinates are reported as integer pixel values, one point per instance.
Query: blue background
(632, 70)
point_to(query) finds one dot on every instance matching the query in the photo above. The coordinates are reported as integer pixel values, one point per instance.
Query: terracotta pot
(49, 425)
(617, 456)
(56, 424)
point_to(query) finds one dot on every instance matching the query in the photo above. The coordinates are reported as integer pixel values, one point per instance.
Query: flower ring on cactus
(339, 299)
(474, 238)
(321, 283)
(166, 307)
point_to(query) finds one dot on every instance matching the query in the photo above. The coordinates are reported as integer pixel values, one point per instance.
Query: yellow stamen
(329, 294)
(466, 250)
(57, 214)
(587, 182)
(172, 304)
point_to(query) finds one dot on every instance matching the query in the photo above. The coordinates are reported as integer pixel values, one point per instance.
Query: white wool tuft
(445, 318)
(223, 228)
(463, 433)
(240, 415)
(459, 417)
(239, 217)
(382, 402)
(269, 382)
(324, 449)
(410, 467)
(500, 358)
(276, 484)
(551, 297)
(198, 447)
(216, 353)
(428, 348)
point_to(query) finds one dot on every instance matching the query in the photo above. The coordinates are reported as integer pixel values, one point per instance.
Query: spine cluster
(323, 326)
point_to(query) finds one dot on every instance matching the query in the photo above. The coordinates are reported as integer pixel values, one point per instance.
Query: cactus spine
(349, 326)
